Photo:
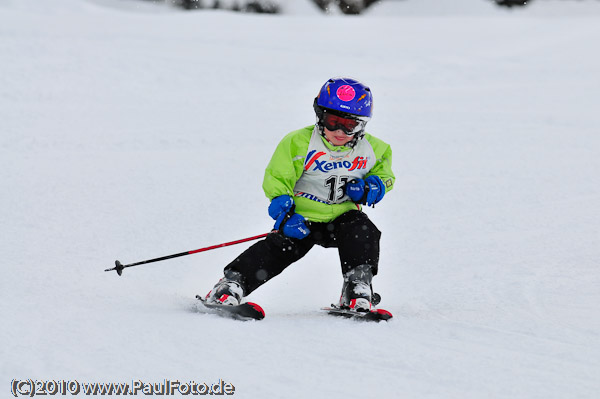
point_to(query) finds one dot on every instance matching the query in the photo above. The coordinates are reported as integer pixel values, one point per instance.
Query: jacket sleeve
(383, 165)
(286, 165)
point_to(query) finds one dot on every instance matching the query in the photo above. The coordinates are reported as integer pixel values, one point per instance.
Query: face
(337, 137)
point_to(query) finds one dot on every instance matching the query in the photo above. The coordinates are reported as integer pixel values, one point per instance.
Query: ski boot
(228, 291)
(357, 291)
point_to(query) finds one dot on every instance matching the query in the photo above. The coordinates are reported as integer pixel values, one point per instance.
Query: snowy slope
(131, 131)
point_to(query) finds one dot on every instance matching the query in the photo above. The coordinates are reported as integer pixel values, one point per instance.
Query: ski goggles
(350, 126)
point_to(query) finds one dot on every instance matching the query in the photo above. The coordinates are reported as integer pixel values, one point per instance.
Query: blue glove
(369, 191)
(355, 189)
(280, 205)
(376, 189)
(293, 227)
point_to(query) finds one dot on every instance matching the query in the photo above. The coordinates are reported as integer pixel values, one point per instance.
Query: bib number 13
(336, 187)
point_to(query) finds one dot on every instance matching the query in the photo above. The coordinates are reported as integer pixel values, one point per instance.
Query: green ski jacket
(304, 158)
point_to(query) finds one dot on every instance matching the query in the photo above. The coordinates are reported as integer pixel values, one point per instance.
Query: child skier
(317, 180)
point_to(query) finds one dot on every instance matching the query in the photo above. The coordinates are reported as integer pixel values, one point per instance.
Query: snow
(132, 130)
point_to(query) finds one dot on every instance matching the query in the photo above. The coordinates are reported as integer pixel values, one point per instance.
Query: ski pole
(119, 267)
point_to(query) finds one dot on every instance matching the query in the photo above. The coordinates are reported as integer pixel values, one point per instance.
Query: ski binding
(243, 311)
(372, 315)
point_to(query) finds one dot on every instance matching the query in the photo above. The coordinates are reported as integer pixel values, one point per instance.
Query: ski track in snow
(132, 130)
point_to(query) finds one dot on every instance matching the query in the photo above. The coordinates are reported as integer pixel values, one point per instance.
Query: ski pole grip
(285, 219)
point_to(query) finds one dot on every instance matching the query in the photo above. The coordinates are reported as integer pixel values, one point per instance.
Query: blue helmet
(345, 96)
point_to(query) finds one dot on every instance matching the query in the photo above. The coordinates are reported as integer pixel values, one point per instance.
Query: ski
(373, 315)
(244, 311)
(252, 311)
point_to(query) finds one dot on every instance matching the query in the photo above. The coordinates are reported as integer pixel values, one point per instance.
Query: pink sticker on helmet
(346, 93)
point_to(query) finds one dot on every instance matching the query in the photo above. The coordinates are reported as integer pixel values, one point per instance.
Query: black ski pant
(353, 234)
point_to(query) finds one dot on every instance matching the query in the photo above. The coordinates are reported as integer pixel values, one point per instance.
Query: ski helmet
(346, 98)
